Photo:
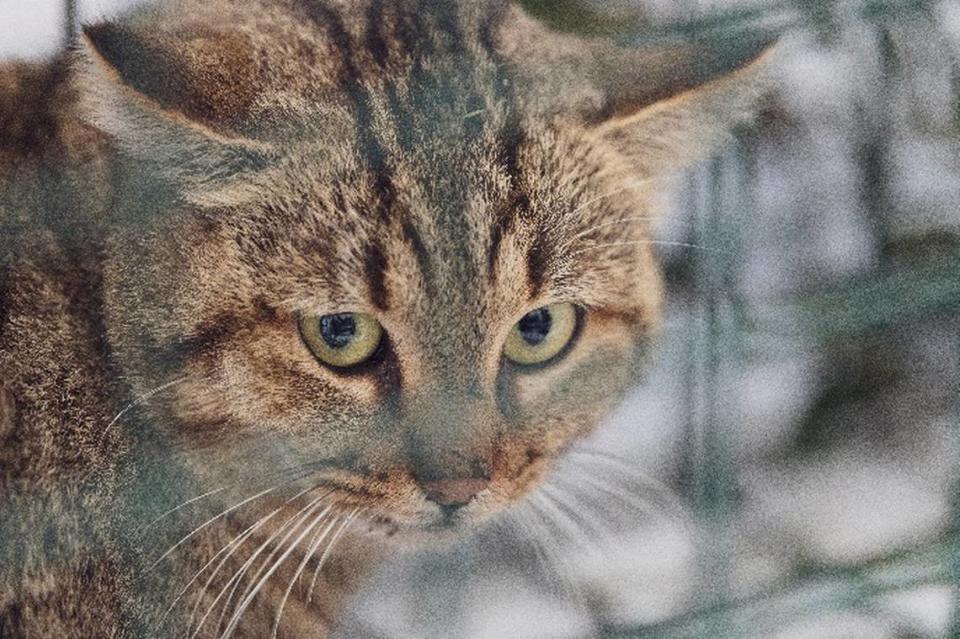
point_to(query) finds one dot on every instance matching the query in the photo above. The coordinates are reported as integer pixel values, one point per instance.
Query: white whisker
(140, 400)
(563, 500)
(666, 498)
(566, 585)
(199, 528)
(242, 606)
(176, 508)
(633, 185)
(624, 220)
(654, 242)
(572, 528)
(232, 546)
(311, 549)
(530, 529)
(238, 542)
(333, 540)
(238, 575)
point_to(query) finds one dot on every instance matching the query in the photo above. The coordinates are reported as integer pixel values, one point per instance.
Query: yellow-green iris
(342, 340)
(541, 334)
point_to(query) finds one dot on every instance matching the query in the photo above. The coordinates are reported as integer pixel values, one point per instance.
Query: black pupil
(535, 326)
(338, 330)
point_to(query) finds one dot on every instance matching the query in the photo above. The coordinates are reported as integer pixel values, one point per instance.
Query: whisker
(140, 400)
(295, 521)
(667, 498)
(574, 529)
(633, 185)
(624, 220)
(311, 549)
(333, 540)
(153, 522)
(268, 559)
(655, 242)
(309, 467)
(199, 528)
(228, 511)
(664, 504)
(563, 500)
(236, 544)
(241, 608)
(522, 518)
(564, 581)
(235, 579)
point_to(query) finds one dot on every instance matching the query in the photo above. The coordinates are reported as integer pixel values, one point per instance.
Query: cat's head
(403, 246)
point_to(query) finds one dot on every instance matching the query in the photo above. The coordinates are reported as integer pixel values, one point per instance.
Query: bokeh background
(788, 468)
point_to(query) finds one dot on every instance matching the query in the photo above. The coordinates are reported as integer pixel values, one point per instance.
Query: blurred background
(788, 467)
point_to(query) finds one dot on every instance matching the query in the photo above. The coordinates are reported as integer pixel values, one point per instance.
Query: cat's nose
(453, 493)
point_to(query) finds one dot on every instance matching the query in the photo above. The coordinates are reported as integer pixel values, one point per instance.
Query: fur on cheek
(602, 350)
(266, 379)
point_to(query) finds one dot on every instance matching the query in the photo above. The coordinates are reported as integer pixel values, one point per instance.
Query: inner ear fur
(662, 106)
(171, 100)
(701, 93)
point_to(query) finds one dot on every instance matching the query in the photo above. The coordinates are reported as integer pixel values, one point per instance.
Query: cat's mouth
(430, 527)
(394, 502)
(424, 520)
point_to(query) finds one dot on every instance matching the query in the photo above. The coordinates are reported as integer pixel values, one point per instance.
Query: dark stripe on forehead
(511, 136)
(351, 81)
(375, 271)
(376, 44)
(504, 220)
(538, 261)
(420, 252)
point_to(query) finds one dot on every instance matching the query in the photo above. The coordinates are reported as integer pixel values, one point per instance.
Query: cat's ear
(669, 106)
(662, 106)
(170, 100)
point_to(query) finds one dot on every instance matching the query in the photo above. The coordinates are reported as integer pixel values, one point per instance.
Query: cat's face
(386, 342)
(415, 285)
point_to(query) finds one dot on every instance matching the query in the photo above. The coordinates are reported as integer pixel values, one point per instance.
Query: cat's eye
(541, 334)
(341, 340)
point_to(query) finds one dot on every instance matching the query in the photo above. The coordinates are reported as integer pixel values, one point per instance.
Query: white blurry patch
(645, 577)
(924, 610)
(36, 29)
(773, 396)
(30, 29)
(513, 609)
(841, 626)
(844, 507)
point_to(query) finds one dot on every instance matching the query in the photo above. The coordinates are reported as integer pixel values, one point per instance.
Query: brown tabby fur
(176, 192)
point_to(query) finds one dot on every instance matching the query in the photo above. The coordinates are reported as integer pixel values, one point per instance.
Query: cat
(287, 285)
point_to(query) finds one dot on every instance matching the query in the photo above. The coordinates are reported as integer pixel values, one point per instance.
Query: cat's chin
(432, 529)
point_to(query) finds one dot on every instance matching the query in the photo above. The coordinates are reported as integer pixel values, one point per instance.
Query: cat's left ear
(170, 100)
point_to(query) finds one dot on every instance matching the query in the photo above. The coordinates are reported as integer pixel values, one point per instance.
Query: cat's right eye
(541, 334)
(341, 340)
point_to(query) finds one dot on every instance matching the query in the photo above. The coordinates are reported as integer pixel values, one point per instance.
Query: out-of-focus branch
(810, 597)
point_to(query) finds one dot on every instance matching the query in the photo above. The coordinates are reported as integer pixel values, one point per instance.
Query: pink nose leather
(454, 492)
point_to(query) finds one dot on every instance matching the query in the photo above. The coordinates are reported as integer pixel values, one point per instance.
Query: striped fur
(226, 167)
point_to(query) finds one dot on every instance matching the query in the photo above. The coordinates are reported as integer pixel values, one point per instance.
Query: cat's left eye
(341, 340)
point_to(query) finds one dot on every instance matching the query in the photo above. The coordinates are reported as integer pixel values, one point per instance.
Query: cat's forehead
(475, 227)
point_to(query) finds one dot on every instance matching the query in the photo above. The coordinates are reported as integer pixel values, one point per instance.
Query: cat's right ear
(169, 101)
(661, 106)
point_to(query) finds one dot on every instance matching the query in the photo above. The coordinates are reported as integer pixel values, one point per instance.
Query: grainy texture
(193, 180)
